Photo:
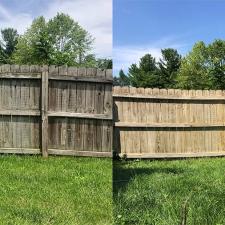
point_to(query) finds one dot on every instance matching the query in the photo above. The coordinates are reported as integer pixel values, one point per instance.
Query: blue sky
(93, 15)
(146, 26)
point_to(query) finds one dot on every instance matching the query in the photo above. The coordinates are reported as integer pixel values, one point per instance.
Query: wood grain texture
(171, 155)
(160, 122)
(55, 107)
(44, 111)
(79, 153)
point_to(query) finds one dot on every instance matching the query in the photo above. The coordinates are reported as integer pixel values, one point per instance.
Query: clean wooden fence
(168, 123)
(55, 110)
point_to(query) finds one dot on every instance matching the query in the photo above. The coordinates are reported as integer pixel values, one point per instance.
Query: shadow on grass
(123, 175)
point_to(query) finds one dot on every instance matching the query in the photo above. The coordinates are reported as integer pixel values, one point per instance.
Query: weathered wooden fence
(55, 110)
(168, 123)
(68, 111)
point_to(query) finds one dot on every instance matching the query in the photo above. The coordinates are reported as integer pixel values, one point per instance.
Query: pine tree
(169, 66)
(146, 75)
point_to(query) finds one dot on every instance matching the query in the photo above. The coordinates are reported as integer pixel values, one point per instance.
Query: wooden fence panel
(81, 112)
(55, 110)
(168, 123)
(19, 111)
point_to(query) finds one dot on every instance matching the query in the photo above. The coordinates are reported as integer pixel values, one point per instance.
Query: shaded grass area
(169, 192)
(57, 190)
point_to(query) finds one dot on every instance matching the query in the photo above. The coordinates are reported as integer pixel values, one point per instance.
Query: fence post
(44, 111)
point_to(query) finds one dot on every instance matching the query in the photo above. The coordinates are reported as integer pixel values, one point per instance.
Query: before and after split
(112, 112)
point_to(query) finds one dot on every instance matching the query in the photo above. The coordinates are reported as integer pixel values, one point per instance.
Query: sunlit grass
(57, 190)
(164, 192)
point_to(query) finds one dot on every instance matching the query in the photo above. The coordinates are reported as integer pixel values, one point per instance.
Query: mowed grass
(57, 190)
(163, 192)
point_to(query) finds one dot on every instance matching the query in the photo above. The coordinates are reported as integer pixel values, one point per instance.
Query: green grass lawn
(57, 190)
(163, 192)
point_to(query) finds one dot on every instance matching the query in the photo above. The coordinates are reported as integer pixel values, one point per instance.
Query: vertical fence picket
(44, 111)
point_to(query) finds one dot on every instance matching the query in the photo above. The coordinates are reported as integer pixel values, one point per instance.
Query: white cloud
(18, 21)
(124, 56)
(94, 15)
(4, 13)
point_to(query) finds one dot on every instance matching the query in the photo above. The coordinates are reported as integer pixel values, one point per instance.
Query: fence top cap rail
(127, 91)
(57, 70)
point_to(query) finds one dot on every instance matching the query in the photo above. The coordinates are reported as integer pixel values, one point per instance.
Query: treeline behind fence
(73, 111)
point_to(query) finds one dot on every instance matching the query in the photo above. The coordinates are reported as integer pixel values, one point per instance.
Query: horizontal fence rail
(161, 123)
(55, 110)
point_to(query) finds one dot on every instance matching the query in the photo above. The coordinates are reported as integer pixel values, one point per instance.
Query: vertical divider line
(44, 111)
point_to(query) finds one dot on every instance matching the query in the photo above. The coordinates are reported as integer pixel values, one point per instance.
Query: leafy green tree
(193, 71)
(69, 39)
(34, 46)
(203, 67)
(104, 63)
(89, 61)
(42, 48)
(169, 66)
(60, 41)
(216, 63)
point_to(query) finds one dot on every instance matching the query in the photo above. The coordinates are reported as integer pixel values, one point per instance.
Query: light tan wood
(138, 96)
(149, 125)
(172, 155)
(155, 122)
